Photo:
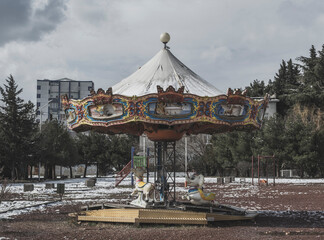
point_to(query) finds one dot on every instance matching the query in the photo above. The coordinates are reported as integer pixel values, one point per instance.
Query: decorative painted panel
(175, 110)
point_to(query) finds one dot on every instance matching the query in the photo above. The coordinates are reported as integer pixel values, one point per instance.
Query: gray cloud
(20, 22)
(229, 43)
(300, 13)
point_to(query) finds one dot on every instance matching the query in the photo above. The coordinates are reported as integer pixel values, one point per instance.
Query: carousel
(165, 100)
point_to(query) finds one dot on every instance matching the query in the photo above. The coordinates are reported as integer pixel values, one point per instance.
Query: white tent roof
(164, 69)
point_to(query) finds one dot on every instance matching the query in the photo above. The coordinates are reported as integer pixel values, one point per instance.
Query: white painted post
(186, 154)
(144, 145)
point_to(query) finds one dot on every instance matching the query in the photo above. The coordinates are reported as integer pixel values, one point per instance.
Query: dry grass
(5, 193)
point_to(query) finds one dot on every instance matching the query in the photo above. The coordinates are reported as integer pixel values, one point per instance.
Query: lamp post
(40, 129)
(41, 113)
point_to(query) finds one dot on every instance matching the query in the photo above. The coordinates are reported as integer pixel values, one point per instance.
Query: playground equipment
(164, 99)
(195, 193)
(274, 166)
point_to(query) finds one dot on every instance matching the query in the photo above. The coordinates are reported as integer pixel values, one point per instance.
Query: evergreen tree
(319, 70)
(319, 85)
(286, 84)
(120, 150)
(308, 66)
(259, 88)
(256, 89)
(318, 144)
(94, 148)
(241, 150)
(108, 152)
(299, 144)
(292, 78)
(295, 136)
(17, 129)
(280, 79)
(56, 147)
(270, 140)
(311, 90)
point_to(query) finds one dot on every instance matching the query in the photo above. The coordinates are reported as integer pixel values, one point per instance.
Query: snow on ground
(105, 191)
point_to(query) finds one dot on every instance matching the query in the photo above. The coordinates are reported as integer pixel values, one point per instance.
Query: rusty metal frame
(164, 172)
(260, 158)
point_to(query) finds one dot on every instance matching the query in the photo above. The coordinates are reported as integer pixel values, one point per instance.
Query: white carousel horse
(195, 193)
(143, 189)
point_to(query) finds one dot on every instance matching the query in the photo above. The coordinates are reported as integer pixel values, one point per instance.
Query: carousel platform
(181, 213)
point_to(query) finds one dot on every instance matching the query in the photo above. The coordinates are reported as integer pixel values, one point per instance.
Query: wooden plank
(137, 216)
(160, 213)
(171, 220)
(105, 219)
(114, 213)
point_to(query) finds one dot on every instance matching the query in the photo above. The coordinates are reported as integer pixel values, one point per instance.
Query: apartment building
(49, 96)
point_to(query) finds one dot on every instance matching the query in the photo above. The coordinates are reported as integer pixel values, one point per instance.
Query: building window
(54, 105)
(38, 113)
(38, 104)
(38, 87)
(38, 95)
(54, 83)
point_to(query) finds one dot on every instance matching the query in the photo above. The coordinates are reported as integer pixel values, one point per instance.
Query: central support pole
(165, 155)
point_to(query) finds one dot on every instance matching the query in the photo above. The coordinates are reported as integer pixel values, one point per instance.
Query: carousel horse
(195, 193)
(143, 189)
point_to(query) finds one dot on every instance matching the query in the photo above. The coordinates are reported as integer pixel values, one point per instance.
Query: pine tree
(308, 66)
(256, 89)
(94, 148)
(17, 127)
(286, 85)
(311, 90)
(56, 147)
(319, 71)
(280, 79)
(120, 150)
(309, 63)
(293, 74)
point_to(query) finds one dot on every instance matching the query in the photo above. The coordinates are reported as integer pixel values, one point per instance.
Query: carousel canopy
(164, 70)
(165, 100)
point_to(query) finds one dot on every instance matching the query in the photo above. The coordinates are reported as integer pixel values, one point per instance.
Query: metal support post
(252, 171)
(165, 170)
(186, 154)
(132, 165)
(274, 170)
(258, 170)
(174, 172)
(267, 172)
(147, 164)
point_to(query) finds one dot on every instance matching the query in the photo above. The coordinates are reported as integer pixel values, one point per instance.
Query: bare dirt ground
(286, 212)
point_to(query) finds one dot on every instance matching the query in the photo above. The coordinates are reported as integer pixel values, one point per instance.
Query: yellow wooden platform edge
(157, 216)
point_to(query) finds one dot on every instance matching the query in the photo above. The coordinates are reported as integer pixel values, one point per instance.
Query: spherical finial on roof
(165, 37)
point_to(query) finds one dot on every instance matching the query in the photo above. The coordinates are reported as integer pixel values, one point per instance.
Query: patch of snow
(104, 191)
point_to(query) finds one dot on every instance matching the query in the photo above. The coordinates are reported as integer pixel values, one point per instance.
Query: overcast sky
(227, 42)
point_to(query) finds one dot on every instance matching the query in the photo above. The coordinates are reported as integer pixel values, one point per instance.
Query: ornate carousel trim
(173, 109)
